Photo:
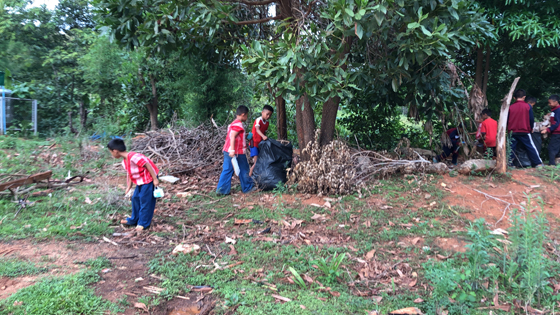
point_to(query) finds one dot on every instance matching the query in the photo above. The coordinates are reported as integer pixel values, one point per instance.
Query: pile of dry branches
(326, 170)
(182, 149)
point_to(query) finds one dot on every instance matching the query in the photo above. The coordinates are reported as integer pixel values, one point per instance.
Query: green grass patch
(11, 267)
(66, 295)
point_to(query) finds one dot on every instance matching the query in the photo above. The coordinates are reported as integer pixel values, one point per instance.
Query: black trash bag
(274, 159)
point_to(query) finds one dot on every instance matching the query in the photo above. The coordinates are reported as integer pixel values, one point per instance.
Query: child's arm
(128, 184)
(150, 169)
(261, 134)
(232, 136)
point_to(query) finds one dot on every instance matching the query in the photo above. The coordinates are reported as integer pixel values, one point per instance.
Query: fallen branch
(490, 197)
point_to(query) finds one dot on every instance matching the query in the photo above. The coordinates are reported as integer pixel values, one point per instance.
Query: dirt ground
(129, 277)
(470, 193)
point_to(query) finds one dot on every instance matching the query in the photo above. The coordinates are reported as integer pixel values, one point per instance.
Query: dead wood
(476, 166)
(501, 161)
(35, 178)
(182, 149)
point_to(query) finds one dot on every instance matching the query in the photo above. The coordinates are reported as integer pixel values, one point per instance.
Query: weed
(150, 301)
(331, 270)
(517, 266)
(297, 278)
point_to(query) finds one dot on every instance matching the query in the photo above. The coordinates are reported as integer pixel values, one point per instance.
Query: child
(259, 133)
(235, 146)
(536, 134)
(489, 131)
(453, 150)
(142, 172)
(553, 130)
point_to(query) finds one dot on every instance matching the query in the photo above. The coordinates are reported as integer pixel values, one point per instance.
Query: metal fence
(15, 111)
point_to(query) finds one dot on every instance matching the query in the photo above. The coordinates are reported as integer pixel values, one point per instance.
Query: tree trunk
(281, 125)
(83, 114)
(308, 121)
(328, 120)
(330, 107)
(502, 159)
(70, 125)
(299, 123)
(153, 105)
(476, 166)
(486, 73)
(479, 61)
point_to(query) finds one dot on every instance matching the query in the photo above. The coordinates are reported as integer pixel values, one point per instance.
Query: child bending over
(142, 172)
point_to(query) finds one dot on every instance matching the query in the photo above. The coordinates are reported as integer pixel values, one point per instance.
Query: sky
(50, 3)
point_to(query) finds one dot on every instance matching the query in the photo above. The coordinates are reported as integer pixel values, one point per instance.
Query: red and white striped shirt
(240, 145)
(136, 171)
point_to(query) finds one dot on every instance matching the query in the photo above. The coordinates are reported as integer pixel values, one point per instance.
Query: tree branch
(265, 2)
(257, 21)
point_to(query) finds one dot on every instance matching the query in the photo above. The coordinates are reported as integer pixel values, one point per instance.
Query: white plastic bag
(158, 193)
(235, 165)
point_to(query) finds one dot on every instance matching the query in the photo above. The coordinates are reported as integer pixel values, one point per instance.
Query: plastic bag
(235, 165)
(274, 158)
(158, 193)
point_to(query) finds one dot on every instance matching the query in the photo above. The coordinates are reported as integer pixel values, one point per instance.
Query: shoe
(434, 160)
(139, 228)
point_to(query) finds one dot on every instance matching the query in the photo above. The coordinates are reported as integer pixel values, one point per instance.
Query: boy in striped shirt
(142, 172)
(235, 147)
(259, 134)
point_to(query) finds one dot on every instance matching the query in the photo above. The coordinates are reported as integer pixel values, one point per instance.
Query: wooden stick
(502, 159)
(25, 181)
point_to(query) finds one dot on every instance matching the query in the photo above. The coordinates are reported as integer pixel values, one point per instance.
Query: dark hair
(555, 98)
(117, 144)
(242, 110)
(268, 108)
(531, 99)
(487, 112)
(520, 93)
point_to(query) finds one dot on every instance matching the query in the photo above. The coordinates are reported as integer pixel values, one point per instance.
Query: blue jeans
(224, 185)
(143, 205)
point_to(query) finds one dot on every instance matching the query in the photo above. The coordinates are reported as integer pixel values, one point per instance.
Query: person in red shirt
(489, 131)
(235, 147)
(553, 130)
(259, 133)
(520, 123)
(142, 172)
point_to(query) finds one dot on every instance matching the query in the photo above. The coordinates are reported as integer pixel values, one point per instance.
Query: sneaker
(434, 160)
(252, 190)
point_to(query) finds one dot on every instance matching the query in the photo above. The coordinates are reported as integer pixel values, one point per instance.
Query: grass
(390, 214)
(11, 267)
(71, 294)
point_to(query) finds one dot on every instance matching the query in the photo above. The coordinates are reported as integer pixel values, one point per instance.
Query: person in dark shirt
(553, 130)
(520, 124)
(453, 150)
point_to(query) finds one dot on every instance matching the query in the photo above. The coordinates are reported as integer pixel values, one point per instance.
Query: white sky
(50, 3)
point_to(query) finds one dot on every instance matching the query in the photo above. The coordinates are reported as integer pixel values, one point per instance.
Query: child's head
(242, 113)
(553, 101)
(531, 100)
(116, 146)
(520, 95)
(267, 112)
(486, 113)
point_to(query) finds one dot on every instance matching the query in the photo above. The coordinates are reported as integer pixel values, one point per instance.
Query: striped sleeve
(139, 159)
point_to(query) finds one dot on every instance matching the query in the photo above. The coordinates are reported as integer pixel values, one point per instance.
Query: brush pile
(327, 170)
(183, 150)
(336, 169)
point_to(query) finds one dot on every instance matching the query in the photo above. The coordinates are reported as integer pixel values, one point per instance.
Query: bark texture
(502, 159)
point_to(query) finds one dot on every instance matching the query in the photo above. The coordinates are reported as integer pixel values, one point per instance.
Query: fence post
(3, 113)
(34, 117)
